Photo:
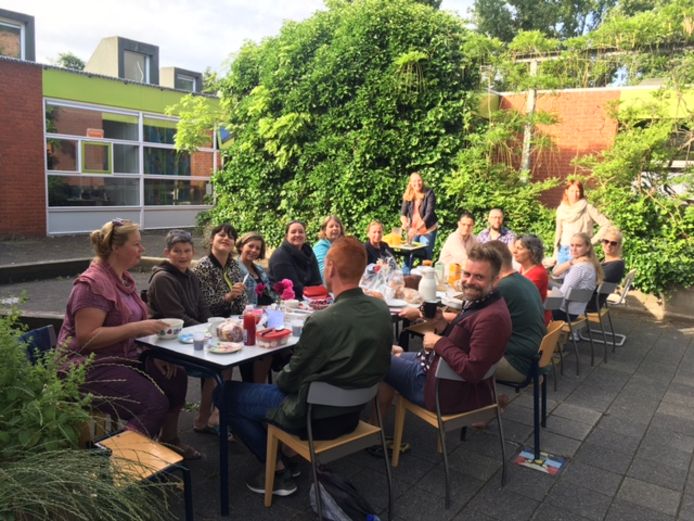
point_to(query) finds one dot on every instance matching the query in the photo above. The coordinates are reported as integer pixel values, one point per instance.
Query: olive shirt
(527, 320)
(347, 344)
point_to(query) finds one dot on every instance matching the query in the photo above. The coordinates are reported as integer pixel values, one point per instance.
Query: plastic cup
(198, 340)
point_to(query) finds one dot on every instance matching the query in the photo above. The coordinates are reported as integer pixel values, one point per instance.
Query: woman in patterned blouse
(221, 279)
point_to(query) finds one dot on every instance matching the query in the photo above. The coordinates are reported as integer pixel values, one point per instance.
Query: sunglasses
(611, 243)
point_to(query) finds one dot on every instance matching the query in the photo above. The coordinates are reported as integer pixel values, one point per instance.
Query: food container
(231, 330)
(272, 337)
(173, 328)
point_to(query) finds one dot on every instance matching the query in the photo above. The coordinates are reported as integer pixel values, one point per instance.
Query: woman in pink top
(528, 252)
(104, 315)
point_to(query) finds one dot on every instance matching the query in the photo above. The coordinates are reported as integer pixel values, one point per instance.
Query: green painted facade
(81, 87)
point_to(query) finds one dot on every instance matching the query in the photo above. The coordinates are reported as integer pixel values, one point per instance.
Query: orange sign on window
(95, 132)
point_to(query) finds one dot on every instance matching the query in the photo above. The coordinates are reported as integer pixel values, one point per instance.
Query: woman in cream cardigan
(575, 215)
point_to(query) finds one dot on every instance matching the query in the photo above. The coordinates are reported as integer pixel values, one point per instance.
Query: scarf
(571, 213)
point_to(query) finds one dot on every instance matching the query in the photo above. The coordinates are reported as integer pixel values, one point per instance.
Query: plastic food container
(272, 337)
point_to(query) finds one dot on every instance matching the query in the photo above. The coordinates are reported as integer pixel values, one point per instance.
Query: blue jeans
(564, 254)
(429, 240)
(406, 375)
(247, 408)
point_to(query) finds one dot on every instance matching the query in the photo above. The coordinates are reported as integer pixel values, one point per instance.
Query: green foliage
(72, 485)
(637, 189)
(198, 115)
(70, 61)
(42, 474)
(39, 410)
(486, 178)
(335, 112)
(504, 19)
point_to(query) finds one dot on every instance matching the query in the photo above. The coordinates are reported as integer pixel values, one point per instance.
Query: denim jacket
(251, 284)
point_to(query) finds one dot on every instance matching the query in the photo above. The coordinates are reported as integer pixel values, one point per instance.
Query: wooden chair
(324, 451)
(542, 359)
(449, 422)
(596, 317)
(137, 457)
(580, 296)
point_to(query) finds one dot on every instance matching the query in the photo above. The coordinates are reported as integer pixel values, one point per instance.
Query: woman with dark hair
(528, 252)
(330, 229)
(376, 249)
(418, 215)
(294, 260)
(251, 248)
(104, 316)
(575, 215)
(221, 280)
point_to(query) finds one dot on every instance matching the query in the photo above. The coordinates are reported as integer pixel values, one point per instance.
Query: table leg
(223, 451)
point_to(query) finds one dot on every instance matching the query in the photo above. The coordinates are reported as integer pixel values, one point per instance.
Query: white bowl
(174, 326)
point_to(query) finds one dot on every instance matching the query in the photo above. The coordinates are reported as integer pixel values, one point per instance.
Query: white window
(185, 82)
(136, 66)
(11, 39)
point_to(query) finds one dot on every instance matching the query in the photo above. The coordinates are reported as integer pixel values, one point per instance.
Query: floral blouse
(215, 282)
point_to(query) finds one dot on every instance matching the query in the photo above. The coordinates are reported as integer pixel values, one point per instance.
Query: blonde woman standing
(418, 216)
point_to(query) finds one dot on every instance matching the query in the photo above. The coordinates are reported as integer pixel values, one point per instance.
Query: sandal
(207, 429)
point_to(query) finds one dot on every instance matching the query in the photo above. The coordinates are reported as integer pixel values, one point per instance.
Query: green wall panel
(70, 86)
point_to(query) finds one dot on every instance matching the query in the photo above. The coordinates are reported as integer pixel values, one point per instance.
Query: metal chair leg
(442, 440)
(503, 448)
(314, 465)
(385, 459)
(187, 493)
(536, 415)
(543, 388)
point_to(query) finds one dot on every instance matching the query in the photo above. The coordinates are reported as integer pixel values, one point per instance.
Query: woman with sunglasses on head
(575, 215)
(104, 316)
(613, 265)
(221, 280)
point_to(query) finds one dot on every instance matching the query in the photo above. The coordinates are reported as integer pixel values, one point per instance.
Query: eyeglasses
(611, 243)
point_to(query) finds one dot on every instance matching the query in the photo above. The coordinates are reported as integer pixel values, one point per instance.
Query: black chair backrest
(39, 341)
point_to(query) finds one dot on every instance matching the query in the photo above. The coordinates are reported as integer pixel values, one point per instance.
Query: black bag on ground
(340, 500)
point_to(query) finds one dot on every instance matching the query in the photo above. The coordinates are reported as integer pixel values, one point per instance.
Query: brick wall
(583, 127)
(22, 179)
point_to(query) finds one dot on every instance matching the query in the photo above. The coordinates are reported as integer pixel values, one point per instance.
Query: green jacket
(347, 344)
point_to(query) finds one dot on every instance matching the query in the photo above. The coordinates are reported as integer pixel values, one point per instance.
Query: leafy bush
(333, 114)
(42, 473)
(638, 191)
(39, 409)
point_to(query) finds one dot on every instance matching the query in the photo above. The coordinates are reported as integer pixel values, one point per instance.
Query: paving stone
(577, 413)
(569, 428)
(660, 434)
(621, 510)
(622, 425)
(475, 465)
(526, 482)
(591, 477)
(516, 432)
(681, 411)
(518, 414)
(502, 504)
(374, 488)
(609, 439)
(605, 458)
(687, 508)
(558, 444)
(549, 512)
(658, 473)
(419, 504)
(463, 487)
(467, 514)
(674, 423)
(579, 500)
(650, 496)
(665, 453)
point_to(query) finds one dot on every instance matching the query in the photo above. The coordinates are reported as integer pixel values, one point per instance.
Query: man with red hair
(347, 344)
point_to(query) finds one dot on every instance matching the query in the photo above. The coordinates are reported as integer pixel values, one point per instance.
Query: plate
(226, 348)
(187, 338)
(396, 303)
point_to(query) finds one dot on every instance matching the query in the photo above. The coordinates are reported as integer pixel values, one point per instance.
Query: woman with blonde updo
(418, 215)
(104, 316)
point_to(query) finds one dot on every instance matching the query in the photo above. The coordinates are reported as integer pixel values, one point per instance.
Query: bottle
(249, 326)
